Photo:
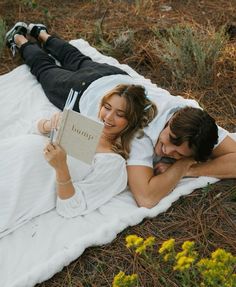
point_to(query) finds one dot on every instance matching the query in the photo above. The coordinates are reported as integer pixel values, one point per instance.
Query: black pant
(77, 71)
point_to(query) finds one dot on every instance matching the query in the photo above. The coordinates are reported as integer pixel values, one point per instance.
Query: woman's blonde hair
(140, 111)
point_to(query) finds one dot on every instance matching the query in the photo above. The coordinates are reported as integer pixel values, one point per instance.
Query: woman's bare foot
(20, 40)
(43, 36)
(18, 31)
(38, 32)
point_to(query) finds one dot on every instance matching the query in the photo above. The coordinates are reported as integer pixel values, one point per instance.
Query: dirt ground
(207, 216)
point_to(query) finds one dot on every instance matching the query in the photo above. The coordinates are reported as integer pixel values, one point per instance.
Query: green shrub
(2, 34)
(29, 3)
(190, 54)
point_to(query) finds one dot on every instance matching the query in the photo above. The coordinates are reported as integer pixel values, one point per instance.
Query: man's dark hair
(196, 127)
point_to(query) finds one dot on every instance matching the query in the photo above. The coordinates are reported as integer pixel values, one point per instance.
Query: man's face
(164, 147)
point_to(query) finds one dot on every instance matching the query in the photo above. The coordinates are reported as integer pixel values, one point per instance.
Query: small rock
(165, 8)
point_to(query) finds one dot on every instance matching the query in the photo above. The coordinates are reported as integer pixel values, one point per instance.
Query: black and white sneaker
(19, 28)
(35, 29)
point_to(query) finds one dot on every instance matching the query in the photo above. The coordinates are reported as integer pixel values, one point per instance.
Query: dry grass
(124, 29)
(206, 216)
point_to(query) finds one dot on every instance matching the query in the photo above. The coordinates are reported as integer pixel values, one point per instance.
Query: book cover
(78, 134)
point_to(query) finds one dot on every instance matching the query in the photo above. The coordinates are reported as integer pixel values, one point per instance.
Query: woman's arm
(56, 157)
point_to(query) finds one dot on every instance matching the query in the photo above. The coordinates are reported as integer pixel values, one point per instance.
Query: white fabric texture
(27, 182)
(106, 178)
(38, 249)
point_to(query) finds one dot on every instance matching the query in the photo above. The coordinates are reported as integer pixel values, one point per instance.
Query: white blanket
(42, 247)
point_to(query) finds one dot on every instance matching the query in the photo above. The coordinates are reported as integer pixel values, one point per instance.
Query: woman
(124, 110)
(33, 187)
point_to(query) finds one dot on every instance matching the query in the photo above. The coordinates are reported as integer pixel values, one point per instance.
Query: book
(78, 134)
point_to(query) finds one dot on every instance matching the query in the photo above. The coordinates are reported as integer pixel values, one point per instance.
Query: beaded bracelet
(63, 182)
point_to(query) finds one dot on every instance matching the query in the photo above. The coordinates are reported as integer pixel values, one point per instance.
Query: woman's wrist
(65, 187)
(63, 183)
(62, 174)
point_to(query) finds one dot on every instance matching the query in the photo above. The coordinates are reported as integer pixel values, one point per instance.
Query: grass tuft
(29, 3)
(189, 53)
(2, 34)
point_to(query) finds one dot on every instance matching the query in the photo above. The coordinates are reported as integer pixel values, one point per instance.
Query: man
(188, 136)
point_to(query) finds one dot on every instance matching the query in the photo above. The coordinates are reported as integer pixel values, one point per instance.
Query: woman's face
(113, 115)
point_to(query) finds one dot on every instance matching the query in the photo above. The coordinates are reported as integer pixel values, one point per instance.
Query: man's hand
(222, 165)
(166, 162)
(161, 167)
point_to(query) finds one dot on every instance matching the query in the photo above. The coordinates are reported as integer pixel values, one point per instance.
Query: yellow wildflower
(181, 254)
(149, 242)
(184, 263)
(138, 241)
(218, 271)
(167, 257)
(223, 256)
(131, 240)
(122, 280)
(118, 278)
(142, 246)
(187, 251)
(188, 245)
(141, 249)
(167, 246)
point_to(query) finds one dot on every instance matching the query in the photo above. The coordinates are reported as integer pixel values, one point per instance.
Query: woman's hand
(46, 125)
(56, 156)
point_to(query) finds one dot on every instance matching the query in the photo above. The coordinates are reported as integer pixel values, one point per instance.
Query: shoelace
(13, 49)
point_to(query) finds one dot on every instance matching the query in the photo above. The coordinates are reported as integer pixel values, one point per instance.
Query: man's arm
(149, 189)
(222, 165)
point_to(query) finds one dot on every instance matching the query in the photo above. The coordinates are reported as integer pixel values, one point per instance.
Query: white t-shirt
(142, 150)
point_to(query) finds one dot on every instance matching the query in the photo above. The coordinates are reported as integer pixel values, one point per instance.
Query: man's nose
(170, 150)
